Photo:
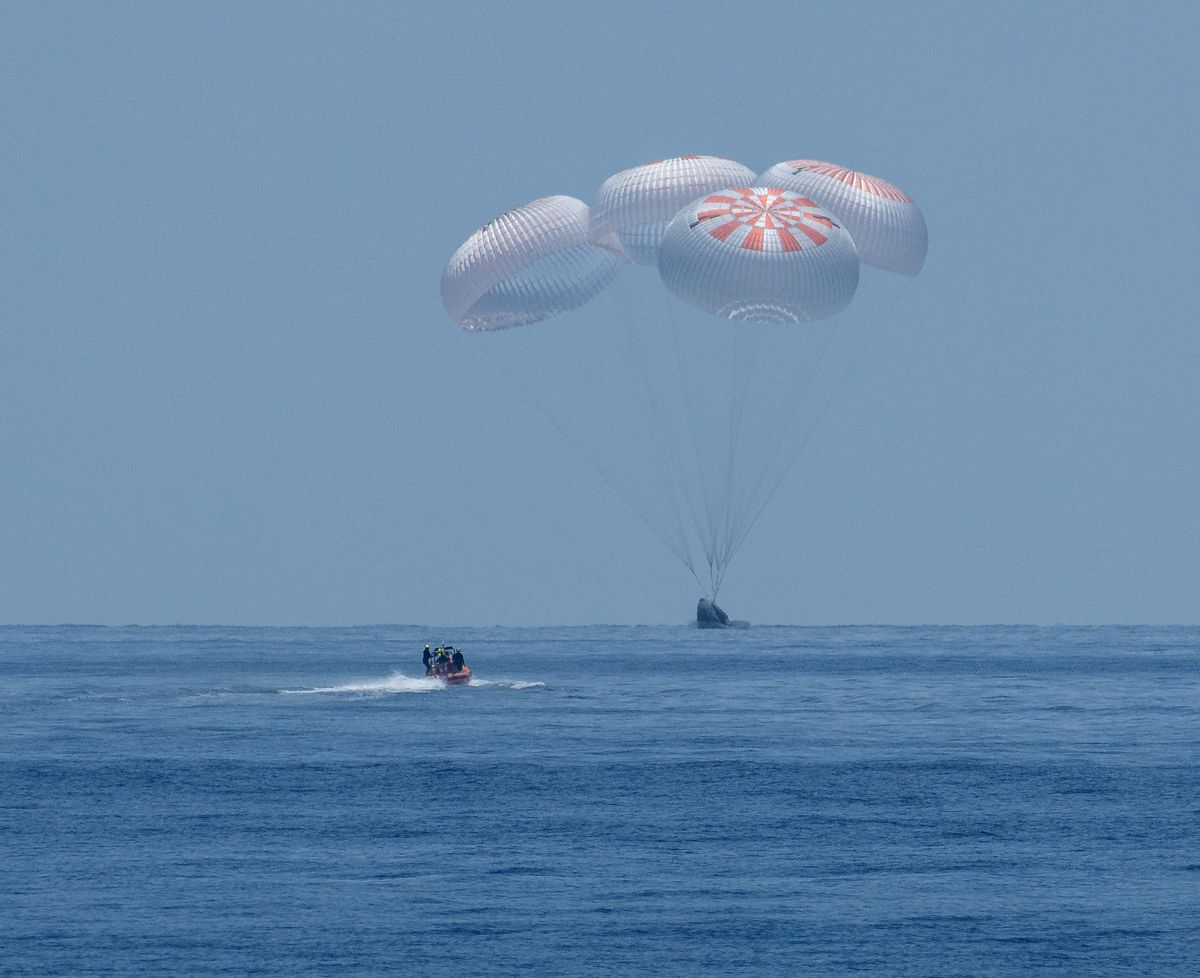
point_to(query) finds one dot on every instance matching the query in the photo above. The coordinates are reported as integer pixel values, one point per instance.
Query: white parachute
(692, 411)
(638, 204)
(528, 264)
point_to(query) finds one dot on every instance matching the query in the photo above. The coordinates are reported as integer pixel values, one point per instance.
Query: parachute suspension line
(736, 399)
(710, 452)
(691, 410)
(673, 546)
(739, 385)
(664, 459)
(757, 351)
(757, 498)
(766, 484)
(676, 447)
(741, 363)
(856, 356)
(699, 445)
(730, 387)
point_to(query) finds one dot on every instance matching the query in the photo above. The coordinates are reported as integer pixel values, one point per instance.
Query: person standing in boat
(457, 660)
(426, 656)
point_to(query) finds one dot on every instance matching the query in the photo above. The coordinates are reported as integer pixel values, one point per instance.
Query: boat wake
(507, 683)
(397, 682)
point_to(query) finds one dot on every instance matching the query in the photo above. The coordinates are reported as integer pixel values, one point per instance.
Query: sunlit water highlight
(600, 801)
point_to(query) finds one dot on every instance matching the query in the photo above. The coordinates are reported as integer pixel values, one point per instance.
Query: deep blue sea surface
(600, 801)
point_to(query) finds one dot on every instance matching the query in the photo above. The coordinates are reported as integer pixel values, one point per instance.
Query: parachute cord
(752, 500)
(671, 472)
(752, 366)
(670, 458)
(745, 359)
(759, 497)
(680, 552)
(701, 508)
(856, 357)
(739, 385)
(690, 409)
(671, 477)
(670, 464)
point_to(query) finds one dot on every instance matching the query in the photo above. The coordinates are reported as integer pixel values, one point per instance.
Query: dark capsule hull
(710, 615)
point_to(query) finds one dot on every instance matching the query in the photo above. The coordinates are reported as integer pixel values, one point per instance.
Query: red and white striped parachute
(760, 254)
(887, 226)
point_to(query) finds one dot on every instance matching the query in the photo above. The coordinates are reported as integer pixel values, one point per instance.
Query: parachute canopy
(887, 226)
(638, 204)
(528, 264)
(760, 254)
(694, 420)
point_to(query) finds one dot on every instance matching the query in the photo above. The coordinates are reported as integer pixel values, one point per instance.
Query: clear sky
(229, 392)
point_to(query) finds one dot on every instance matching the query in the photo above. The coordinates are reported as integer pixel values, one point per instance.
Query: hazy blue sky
(229, 392)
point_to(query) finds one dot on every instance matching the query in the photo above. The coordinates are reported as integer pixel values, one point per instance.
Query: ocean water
(600, 801)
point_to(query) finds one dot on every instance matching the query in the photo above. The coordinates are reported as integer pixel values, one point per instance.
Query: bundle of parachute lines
(784, 246)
